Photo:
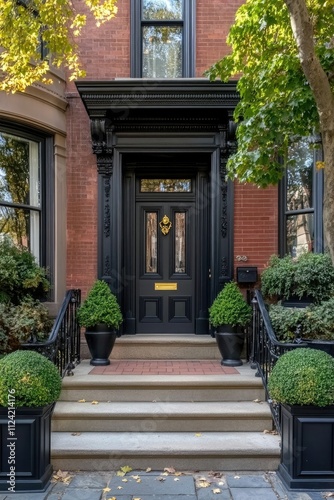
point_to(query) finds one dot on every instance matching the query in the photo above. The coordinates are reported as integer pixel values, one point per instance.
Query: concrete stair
(190, 422)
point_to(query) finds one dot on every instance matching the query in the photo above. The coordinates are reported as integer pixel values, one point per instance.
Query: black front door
(165, 256)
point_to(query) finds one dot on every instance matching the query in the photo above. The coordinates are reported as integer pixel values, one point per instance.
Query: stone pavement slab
(152, 485)
(247, 481)
(252, 494)
(82, 494)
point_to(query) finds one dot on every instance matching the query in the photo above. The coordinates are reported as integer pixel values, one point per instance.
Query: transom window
(162, 33)
(301, 202)
(165, 185)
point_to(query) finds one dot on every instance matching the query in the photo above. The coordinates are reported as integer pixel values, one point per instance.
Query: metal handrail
(266, 349)
(63, 345)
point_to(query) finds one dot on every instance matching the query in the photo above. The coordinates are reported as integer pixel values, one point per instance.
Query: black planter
(26, 447)
(230, 343)
(307, 455)
(100, 341)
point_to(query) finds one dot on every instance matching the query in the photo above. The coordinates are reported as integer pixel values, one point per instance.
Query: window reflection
(300, 177)
(300, 234)
(151, 253)
(20, 191)
(162, 52)
(165, 185)
(162, 9)
(180, 242)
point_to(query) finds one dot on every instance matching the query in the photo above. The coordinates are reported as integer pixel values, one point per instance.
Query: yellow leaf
(203, 484)
(95, 402)
(198, 435)
(148, 469)
(178, 474)
(135, 477)
(82, 401)
(124, 480)
(123, 470)
(165, 474)
(112, 498)
(216, 491)
(320, 165)
(106, 489)
(136, 498)
(138, 481)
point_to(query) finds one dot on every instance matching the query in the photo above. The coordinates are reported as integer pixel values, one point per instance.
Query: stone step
(167, 346)
(243, 386)
(161, 416)
(246, 451)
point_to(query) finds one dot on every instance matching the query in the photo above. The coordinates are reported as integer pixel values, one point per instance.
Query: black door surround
(183, 117)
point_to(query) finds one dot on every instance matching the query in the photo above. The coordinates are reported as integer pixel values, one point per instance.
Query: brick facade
(105, 53)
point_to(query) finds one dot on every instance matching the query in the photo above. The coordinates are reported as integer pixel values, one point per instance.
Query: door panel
(165, 263)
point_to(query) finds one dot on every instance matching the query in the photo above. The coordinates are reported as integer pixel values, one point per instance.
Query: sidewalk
(166, 485)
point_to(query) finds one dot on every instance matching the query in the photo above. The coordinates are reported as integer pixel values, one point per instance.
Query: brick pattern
(162, 367)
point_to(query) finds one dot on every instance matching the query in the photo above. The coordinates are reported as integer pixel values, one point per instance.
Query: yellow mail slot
(165, 286)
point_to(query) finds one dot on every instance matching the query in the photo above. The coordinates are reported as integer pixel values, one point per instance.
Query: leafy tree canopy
(26, 26)
(278, 104)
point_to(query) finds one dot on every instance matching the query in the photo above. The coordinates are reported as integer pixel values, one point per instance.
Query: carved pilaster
(223, 181)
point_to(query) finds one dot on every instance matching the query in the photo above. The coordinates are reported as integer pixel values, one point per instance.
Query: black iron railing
(63, 344)
(266, 349)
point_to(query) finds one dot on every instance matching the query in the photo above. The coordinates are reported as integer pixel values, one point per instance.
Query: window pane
(165, 185)
(162, 9)
(151, 258)
(180, 242)
(162, 52)
(300, 177)
(22, 226)
(300, 234)
(19, 171)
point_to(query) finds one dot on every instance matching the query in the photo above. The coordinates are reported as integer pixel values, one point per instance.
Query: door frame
(181, 115)
(201, 262)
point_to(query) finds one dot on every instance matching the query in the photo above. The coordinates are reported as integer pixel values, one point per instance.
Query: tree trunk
(328, 145)
(303, 33)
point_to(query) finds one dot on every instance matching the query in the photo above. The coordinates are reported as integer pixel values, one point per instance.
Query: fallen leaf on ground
(123, 470)
(328, 495)
(135, 477)
(274, 433)
(62, 476)
(106, 489)
(198, 435)
(165, 474)
(112, 498)
(236, 477)
(203, 484)
(119, 487)
(178, 474)
(171, 470)
(216, 491)
(148, 469)
(95, 402)
(257, 401)
(76, 434)
(176, 479)
(221, 483)
(136, 498)
(82, 401)
(124, 480)
(161, 478)
(138, 480)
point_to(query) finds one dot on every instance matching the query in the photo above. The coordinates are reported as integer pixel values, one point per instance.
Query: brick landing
(163, 367)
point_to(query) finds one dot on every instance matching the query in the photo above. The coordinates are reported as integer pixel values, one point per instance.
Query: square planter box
(27, 447)
(307, 455)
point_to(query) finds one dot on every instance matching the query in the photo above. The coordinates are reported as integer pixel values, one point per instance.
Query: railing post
(254, 303)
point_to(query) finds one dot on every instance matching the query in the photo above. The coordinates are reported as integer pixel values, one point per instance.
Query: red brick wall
(105, 54)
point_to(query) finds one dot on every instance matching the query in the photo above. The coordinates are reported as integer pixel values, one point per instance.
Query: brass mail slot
(165, 286)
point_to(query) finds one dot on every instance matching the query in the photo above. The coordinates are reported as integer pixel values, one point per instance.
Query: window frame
(316, 209)
(188, 24)
(47, 180)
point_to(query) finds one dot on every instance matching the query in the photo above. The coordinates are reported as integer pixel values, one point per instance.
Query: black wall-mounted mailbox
(246, 274)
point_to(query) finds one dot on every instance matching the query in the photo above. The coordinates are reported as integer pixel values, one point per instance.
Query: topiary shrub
(100, 306)
(230, 307)
(303, 377)
(30, 377)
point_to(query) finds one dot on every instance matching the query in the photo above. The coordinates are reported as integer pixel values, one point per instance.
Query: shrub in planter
(310, 275)
(20, 275)
(20, 323)
(303, 377)
(230, 307)
(101, 315)
(285, 321)
(302, 381)
(229, 313)
(29, 386)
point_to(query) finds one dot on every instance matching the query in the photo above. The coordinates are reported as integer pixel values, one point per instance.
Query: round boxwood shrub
(303, 377)
(30, 377)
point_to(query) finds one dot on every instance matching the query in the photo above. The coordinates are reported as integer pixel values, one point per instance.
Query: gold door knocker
(165, 225)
